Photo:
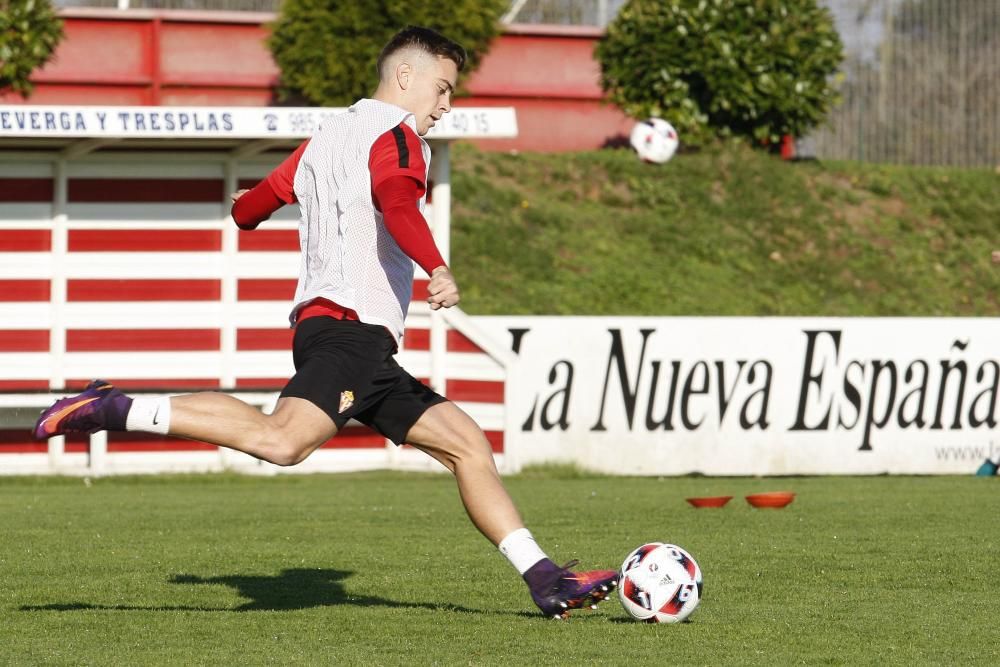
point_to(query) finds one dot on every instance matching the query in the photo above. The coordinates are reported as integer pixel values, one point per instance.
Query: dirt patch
(718, 194)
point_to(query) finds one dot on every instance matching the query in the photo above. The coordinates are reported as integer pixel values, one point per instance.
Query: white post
(60, 248)
(57, 327)
(98, 452)
(441, 228)
(227, 338)
(230, 242)
(441, 198)
(57, 447)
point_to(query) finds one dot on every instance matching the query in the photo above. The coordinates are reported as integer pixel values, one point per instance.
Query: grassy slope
(385, 569)
(724, 232)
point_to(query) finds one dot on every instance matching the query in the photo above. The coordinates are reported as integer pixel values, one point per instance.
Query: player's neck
(389, 96)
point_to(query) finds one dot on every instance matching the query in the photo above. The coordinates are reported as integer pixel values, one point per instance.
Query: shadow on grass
(292, 589)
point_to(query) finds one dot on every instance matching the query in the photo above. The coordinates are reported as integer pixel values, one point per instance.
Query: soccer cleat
(99, 407)
(567, 590)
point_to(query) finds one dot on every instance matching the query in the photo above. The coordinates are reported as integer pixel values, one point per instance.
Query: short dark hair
(425, 39)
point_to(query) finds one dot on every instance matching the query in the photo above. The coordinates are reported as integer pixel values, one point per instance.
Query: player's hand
(443, 289)
(239, 193)
(996, 256)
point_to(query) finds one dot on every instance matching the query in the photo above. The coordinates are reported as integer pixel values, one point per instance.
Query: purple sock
(116, 413)
(542, 574)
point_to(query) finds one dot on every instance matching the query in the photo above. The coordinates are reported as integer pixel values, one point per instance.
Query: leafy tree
(327, 49)
(753, 68)
(29, 33)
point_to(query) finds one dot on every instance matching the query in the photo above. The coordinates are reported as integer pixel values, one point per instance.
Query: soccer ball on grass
(660, 583)
(654, 140)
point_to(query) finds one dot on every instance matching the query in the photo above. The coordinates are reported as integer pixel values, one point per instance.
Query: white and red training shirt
(361, 220)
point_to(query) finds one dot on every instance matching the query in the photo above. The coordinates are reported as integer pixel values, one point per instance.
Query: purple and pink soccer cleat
(100, 407)
(557, 590)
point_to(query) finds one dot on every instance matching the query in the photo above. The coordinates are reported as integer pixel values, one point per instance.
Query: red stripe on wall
(24, 385)
(420, 339)
(265, 289)
(150, 442)
(264, 339)
(19, 441)
(26, 340)
(457, 342)
(25, 240)
(133, 240)
(356, 437)
(417, 339)
(26, 190)
(173, 385)
(419, 290)
(476, 391)
(496, 441)
(270, 240)
(143, 290)
(25, 290)
(144, 340)
(145, 190)
(260, 383)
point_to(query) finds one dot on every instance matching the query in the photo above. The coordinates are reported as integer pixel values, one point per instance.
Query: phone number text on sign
(308, 122)
(462, 123)
(457, 124)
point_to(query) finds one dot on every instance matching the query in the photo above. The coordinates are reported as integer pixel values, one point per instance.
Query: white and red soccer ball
(660, 583)
(654, 140)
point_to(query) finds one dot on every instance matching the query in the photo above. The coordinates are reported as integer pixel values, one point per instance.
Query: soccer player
(360, 183)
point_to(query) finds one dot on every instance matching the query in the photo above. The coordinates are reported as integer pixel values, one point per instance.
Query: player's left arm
(396, 197)
(398, 175)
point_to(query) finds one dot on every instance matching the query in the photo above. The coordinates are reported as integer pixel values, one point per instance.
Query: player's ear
(404, 74)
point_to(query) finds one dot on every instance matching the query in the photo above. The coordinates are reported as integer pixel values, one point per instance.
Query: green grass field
(384, 568)
(726, 231)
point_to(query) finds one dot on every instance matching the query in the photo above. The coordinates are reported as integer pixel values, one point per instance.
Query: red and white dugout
(118, 259)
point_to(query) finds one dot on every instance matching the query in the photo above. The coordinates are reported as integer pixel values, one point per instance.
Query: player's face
(430, 94)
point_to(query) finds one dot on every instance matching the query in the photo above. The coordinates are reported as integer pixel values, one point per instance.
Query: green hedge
(29, 33)
(753, 68)
(327, 49)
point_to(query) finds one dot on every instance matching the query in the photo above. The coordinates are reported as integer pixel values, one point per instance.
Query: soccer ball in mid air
(660, 583)
(654, 140)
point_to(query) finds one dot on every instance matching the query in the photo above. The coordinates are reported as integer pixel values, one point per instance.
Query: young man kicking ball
(360, 183)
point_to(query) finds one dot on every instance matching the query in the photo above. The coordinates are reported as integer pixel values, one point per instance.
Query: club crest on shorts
(346, 400)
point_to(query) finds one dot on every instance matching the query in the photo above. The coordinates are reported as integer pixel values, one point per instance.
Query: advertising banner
(753, 396)
(222, 122)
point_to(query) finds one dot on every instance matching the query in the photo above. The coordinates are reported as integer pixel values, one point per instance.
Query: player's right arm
(254, 206)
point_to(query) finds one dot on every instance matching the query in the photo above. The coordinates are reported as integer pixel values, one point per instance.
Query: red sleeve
(397, 198)
(282, 179)
(398, 153)
(256, 206)
(276, 190)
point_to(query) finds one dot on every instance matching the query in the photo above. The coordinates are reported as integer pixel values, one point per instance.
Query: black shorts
(348, 370)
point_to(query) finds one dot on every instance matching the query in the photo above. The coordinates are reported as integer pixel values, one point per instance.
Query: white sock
(151, 415)
(521, 550)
